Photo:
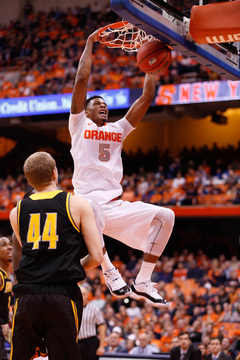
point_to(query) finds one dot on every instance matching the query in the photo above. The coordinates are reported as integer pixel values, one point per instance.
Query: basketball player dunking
(96, 151)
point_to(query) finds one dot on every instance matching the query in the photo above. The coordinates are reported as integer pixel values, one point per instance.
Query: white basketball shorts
(128, 222)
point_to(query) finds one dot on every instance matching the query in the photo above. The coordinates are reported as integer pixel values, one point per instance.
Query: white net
(123, 35)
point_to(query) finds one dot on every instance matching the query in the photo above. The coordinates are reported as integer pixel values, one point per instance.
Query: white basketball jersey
(96, 153)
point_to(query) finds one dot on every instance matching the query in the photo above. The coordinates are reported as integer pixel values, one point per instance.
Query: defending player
(5, 289)
(47, 225)
(96, 151)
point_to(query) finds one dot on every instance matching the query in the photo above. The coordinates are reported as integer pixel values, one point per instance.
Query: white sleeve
(76, 122)
(126, 127)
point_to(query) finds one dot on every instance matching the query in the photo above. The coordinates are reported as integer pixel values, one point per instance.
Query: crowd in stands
(204, 297)
(39, 55)
(195, 177)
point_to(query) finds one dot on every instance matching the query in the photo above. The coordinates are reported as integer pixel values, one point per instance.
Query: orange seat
(219, 199)
(169, 290)
(155, 198)
(231, 328)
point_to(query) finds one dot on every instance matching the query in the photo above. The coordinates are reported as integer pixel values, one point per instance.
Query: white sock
(145, 272)
(106, 264)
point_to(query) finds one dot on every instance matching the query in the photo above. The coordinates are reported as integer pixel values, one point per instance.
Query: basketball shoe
(148, 292)
(116, 284)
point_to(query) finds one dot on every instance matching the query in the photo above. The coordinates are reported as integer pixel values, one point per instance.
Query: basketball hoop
(123, 35)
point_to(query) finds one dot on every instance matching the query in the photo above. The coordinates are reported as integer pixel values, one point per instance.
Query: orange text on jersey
(102, 135)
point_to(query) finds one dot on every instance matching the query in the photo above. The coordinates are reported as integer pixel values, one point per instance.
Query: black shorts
(3, 352)
(45, 324)
(88, 348)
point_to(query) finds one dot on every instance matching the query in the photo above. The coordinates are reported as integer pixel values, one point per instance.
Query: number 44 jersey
(51, 241)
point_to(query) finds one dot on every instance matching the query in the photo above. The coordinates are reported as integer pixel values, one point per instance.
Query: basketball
(154, 57)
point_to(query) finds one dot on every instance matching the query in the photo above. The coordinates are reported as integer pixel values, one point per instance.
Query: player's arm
(141, 105)
(82, 76)
(102, 335)
(16, 252)
(81, 210)
(16, 241)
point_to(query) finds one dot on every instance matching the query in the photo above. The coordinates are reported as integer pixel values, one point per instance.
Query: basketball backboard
(158, 18)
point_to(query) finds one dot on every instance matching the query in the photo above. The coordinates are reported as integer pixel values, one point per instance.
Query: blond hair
(38, 169)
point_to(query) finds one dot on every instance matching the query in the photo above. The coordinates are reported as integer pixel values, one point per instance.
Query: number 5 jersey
(96, 153)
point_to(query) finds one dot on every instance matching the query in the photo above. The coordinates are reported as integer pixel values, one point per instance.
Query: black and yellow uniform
(5, 298)
(49, 303)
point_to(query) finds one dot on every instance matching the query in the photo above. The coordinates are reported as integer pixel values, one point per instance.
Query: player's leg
(159, 234)
(113, 278)
(61, 327)
(146, 227)
(27, 329)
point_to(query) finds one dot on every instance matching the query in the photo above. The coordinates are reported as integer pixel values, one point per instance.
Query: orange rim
(116, 25)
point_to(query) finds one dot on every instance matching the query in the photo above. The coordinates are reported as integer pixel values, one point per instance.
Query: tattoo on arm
(81, 79)
(85, 63)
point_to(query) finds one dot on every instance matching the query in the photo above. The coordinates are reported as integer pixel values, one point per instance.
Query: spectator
(206, 340)
(185, 350)
(113, 344)
(180, 273)
(208, 329)
(109, 316)
(174, 342)
(179, 181)
(215, 351)
(99, 298)
(228, 315)
(130, 342)
(144, 348)
(166, 274)
(194, 271)
(152, 338)
(210, 317)
(203, 350)
(134, 310)
(122, 315)
(195, 332)
(226, 347)
(168, 334)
